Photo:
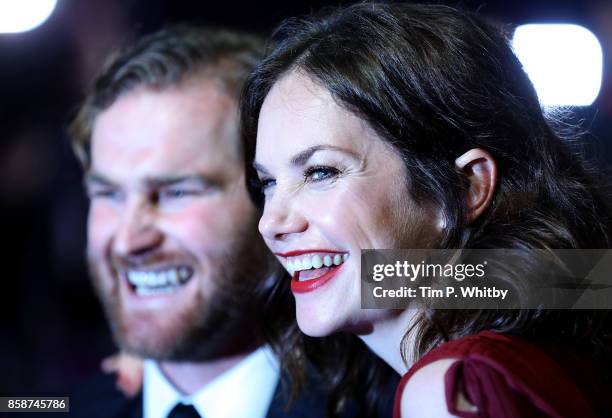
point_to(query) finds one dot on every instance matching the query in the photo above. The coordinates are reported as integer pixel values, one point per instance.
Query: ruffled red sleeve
(504, 377)
(491, 392)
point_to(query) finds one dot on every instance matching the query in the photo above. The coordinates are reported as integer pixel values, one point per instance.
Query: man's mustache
(149, 260)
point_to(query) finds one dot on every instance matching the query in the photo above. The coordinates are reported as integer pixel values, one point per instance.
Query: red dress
(508, 377)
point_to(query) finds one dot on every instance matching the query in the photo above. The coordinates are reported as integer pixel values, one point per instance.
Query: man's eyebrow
(150, 182)
(168, 180)
(95, 178)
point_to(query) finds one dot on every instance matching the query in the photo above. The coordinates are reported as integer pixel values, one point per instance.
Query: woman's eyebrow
(302, 157)
(260, 168)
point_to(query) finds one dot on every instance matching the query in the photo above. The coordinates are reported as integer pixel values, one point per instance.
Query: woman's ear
(479, 167)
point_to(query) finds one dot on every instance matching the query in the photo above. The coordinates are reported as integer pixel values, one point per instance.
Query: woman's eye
(320, 173)
(266, 183)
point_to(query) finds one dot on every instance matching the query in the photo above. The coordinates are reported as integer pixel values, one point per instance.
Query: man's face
(172, 237)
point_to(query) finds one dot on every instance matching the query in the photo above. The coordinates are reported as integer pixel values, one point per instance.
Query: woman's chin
(314, 326)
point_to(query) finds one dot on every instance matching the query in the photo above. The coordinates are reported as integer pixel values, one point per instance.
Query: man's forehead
(193, 126)
(198, 101)
(166, 168)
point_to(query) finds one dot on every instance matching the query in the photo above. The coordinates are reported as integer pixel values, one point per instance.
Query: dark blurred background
(52, 330)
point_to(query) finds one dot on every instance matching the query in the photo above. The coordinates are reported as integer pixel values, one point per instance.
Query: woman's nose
(281, 218)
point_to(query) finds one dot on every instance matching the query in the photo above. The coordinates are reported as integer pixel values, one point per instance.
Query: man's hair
(164, 59)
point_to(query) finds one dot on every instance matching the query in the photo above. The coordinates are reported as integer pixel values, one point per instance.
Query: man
(172, 235)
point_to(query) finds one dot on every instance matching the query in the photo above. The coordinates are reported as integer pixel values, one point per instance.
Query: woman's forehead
(299, 113)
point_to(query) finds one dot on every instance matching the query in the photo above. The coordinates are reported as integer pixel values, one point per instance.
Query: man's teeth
(148, 291)
(315, 262)
(156, 282)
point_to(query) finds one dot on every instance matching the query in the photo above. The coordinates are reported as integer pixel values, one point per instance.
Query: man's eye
(103, 194)
(177, 193)
(320, 173)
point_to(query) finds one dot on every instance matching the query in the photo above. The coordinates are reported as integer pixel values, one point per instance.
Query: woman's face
(332, 187)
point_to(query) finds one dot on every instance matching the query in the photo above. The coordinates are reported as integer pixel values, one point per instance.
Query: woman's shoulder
(489, 374)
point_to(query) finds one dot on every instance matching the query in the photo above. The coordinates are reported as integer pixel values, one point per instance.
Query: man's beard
(223, 322)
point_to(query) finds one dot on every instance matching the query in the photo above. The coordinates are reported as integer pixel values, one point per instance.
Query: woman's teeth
(314, 262)
(160, 281)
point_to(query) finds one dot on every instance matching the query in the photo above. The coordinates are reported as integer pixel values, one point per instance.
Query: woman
(412, 126)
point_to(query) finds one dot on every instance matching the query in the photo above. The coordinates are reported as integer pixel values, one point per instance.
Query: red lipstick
(312, 284)
(300, 252)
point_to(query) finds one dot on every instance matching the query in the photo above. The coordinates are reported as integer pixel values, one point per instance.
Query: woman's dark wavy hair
(435, 82)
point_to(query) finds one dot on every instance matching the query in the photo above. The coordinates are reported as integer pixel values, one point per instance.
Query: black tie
(183, 411)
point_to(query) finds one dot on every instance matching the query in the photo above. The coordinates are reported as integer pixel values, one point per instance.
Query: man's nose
(281, 219)
(137, 232)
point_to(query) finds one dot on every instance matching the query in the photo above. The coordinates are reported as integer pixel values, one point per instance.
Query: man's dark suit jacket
(99, 398)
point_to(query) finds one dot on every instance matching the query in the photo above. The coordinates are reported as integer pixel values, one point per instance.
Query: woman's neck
(385, 339)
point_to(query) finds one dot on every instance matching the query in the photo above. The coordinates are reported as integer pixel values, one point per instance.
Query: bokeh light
(563, 61)
(24, 15)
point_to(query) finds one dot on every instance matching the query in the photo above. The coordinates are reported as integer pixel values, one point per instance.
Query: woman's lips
(313, 284)
(300, 252)
(312, 268)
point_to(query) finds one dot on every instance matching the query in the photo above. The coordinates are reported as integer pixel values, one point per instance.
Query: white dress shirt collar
(244, 391)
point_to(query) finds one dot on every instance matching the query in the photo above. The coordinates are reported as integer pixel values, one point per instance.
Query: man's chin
(149, 339)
